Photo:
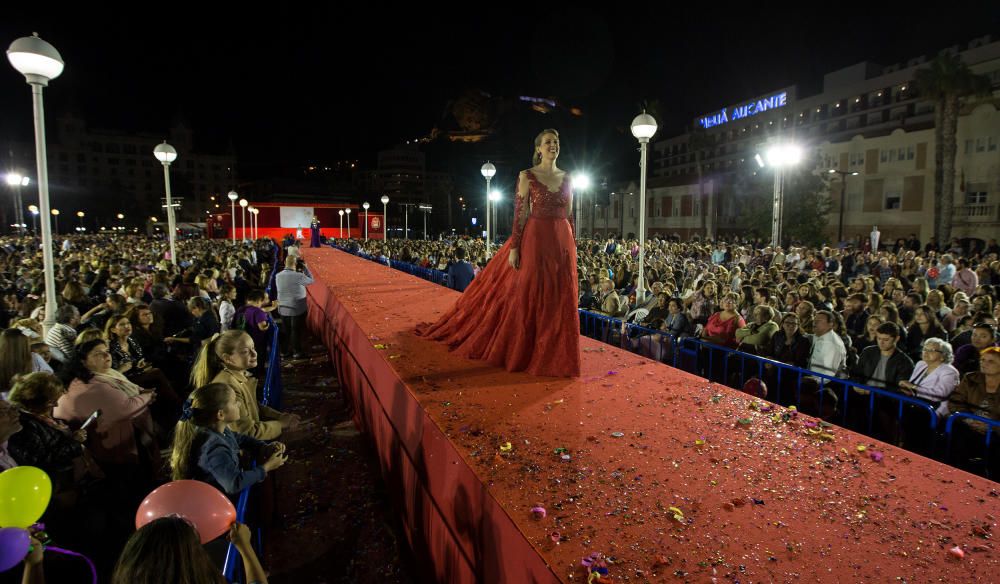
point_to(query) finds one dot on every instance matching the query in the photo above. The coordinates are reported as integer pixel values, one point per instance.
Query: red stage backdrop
(279, 219)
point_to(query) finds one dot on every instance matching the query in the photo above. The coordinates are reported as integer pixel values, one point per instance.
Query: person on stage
(314, 232)
(520, 311)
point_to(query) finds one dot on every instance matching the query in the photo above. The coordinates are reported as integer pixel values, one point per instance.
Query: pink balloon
(210, 511)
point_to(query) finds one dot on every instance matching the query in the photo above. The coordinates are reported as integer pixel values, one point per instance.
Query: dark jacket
(460, 275)
(42, 445)
(796, 354)
(898, 368)
(855, 323)
(915, 339)
(218, 460)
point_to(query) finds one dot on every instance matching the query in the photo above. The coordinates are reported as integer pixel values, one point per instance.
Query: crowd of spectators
(171, 357)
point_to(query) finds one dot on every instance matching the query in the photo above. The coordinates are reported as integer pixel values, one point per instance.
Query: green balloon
(24, 495)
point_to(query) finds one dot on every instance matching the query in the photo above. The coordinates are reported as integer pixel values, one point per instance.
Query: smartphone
(93, 417)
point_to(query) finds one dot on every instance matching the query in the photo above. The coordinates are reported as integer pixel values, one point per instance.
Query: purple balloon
(14, 545)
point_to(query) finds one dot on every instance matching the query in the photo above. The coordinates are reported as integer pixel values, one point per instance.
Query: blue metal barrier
(272, 391)
(435, 276)
(990, 425)
(823, 381)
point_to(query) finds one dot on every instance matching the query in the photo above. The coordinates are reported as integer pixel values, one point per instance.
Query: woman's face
(145, 317)
(98, 359)
(790, 325)
(673, 307)
(802, 310)
(243, 356)
(709, 289)
(123, 328)
(728, 303)
(931, 353)
(803, 291)
(920, 317)
(873, 323)
(789, 299)
(549, 147)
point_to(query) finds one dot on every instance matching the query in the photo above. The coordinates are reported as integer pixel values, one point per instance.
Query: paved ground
(335, 523)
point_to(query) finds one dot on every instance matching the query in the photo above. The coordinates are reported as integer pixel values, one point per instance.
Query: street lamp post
(80, 214)
(491, 210)
(233, 195)
(843, 174)
(348, 211)
(425, 209)
(365, 207)
(255, 212)
(341, 213)
(166, 154)
(581, 182)
(385, 216)
(34, 218)
(40, 62)
(780, 156)
(643, 128)
(55, 214)
(243, 217)
(488, 171)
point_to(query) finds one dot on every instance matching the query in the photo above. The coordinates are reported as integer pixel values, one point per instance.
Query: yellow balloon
(24, 495)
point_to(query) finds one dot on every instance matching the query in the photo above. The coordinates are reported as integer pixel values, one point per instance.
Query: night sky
(292, 85)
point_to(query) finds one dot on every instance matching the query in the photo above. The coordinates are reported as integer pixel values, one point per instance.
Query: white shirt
(829, 356)
(226, 313)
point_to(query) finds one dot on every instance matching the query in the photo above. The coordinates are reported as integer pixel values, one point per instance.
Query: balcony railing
(979, 213)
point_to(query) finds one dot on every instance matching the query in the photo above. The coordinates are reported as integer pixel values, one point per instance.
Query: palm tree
(947, 80)
(699, 143)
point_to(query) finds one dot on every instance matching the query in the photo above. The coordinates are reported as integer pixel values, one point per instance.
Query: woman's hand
(125, 367)
(239, 535)
(514, 259)
(80, 436)
(263, 325)
(289, 421)
(271, 449)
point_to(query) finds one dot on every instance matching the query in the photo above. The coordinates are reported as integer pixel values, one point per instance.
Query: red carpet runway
(668, 476)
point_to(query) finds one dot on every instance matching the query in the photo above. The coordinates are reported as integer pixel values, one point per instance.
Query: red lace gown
(524, 319)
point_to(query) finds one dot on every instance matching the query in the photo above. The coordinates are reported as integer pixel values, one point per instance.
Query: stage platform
(674, 478)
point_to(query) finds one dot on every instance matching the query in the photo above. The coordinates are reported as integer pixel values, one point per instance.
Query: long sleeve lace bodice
(540, 201)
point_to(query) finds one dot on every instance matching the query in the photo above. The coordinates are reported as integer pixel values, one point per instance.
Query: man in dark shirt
(461, 272)
(883, 366)
(856, 315)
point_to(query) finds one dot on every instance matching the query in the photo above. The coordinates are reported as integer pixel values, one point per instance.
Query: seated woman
(675, 325)
(168, 549)
(722, 326)
(869, 339)
(127, 358)
(720, 330)
(792, 347)
(925, 326)
(124, 406)
(756, 337)
(44, 441)
(977, 394)
(205, 324)
(16, 357)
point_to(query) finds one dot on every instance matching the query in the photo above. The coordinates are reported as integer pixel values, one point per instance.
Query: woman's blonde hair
(209, 362)
(89, 334)
(536, 158)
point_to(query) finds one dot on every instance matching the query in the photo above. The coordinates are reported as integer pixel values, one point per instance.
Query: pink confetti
(957, 552)
(877, 456)
(538, 512)
(612, 373)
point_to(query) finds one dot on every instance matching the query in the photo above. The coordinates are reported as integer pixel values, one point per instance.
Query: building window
(113, 149)
(113, 161)
(909, 152)
(975, 198)
(992, 144)
(893, 201)
(968, 146)
(883, 156)
(980, 145)
(130, 149)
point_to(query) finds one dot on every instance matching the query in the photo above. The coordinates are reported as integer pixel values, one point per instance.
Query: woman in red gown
(520, 313)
